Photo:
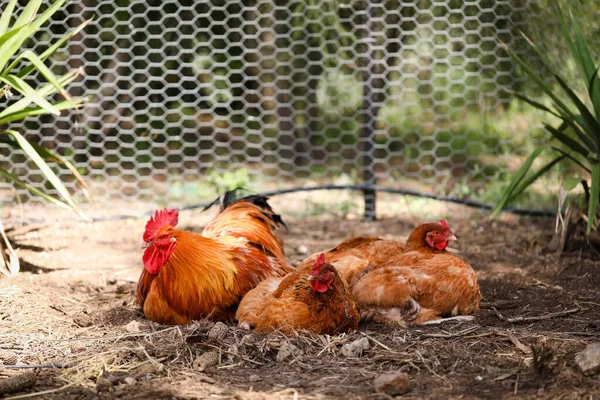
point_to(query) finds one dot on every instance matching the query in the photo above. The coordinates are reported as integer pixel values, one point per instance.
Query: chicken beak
(452, 238)
(145, 245)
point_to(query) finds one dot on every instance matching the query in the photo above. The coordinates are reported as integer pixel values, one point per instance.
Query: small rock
(288, 350)
(302, 249)
(393, 384)
(133, 327)
(588, 360)
(206, 360)
(356, 348)
(253, 378)
(218, 331)
(129, 380)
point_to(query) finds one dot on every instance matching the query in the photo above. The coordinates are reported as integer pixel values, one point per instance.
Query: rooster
(419, 283)
(188, 276)
(318, 301)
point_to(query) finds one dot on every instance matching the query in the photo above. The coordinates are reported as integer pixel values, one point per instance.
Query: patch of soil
(77, 309)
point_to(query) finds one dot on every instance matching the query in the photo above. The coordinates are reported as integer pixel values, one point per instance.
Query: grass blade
(17, 182)
(12, 265)
(572, 158)
(29, 93)
(594, 92)
(539, 82)
(9, 35)
(29, 12)
(44, 168)
(49, 155)
(525, 183)
(567, 141)
(45, 90)
(55, 46)
(594, 196)
(6, 14)
(34, 111)
(519, 175)
(587, 62)
(590, 123)
(534, 103)
(572, 49)
(42, 68)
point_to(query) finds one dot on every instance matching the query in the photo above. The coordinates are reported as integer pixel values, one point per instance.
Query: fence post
(372, 98)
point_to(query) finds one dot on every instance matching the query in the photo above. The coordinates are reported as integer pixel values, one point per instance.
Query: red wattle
(441, 245)
(319, 287)
(156, 256)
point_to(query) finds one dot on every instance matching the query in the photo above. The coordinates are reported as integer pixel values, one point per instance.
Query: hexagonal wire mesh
(184, 92)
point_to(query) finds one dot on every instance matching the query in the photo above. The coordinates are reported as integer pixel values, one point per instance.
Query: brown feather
(291, 304)
(207, 275)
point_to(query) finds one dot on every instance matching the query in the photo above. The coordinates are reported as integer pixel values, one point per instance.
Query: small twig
(518, 320)
(518, 344)
(451, 335)
(500, 316)
(377, 342)
(25, 366)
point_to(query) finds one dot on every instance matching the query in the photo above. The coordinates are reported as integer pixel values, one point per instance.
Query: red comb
(158, 220)
(443, 223)
(320, 260)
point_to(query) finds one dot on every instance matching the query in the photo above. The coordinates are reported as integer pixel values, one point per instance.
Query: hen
(318, 301)
(188, 276)
(421, 283)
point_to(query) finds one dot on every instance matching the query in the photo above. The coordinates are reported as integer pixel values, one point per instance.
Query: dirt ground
(74, 306)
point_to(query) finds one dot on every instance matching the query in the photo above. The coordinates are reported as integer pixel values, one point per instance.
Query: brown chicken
(421, 283)
(188, 276)
(318, 301)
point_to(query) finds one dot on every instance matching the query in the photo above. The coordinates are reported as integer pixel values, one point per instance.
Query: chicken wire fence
(187, 97)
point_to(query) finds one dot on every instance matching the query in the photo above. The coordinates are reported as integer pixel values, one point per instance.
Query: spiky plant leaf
(517, 178)
(594, 196)
(6, 15)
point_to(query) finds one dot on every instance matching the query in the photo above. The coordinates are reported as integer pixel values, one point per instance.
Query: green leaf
(567, 35)
(587, 66)
(525, 183)
(29, 12)
(519, 175)
(571, 183)
(49, 155)
(17, 182)
(28, 92)
(570, 157)
(589, 123)
(9, 35)
(42, 68)
(541, 84)
(15, 43)
(45, 90)
(34, 111)
(44, 168)
(567, 141)
(55, 46)
(6, 15)
(594, 196)
(594, 92)
(537, 105)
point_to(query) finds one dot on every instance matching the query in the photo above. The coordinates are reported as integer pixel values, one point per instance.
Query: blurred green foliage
(279, 83)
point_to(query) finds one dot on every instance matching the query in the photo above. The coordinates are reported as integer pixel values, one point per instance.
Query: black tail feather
(240, 194)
